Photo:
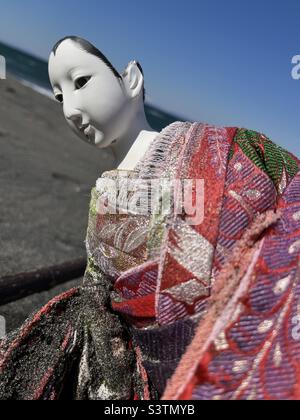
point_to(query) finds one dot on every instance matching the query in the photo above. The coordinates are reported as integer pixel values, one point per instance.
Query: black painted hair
(91, 49)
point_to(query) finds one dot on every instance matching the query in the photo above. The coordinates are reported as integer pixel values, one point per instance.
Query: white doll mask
(96, 104)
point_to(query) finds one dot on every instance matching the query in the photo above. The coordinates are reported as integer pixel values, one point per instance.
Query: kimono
(170, 309)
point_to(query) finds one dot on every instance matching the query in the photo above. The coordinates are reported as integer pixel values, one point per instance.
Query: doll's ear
(133, 78)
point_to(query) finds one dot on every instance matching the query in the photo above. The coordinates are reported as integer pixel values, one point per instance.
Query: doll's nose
(73, 115)
(71, 112)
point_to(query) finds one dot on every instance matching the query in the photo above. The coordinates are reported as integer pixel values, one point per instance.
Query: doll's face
(95, 103)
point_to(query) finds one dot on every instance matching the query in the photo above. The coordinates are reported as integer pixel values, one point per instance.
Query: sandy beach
(46, 174)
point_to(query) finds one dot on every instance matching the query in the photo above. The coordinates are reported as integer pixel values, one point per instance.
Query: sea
(33, 72)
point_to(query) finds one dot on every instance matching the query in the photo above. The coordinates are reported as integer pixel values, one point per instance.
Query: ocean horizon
(32, 72)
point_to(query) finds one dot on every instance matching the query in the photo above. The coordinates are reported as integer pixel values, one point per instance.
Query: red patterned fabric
(248, 247)
(247, 345)
(178, 310)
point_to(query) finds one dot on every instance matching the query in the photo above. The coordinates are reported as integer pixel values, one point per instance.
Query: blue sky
(223, 62)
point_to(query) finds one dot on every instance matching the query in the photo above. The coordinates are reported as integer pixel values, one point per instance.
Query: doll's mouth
(89, 133)
(87, 130)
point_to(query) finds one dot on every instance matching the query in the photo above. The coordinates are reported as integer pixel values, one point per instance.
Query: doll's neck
(133, 145)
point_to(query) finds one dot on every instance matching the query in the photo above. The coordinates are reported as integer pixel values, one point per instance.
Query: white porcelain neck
(130, 148)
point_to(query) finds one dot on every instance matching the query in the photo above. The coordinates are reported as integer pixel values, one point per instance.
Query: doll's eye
(59, 98)
(81, 82)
